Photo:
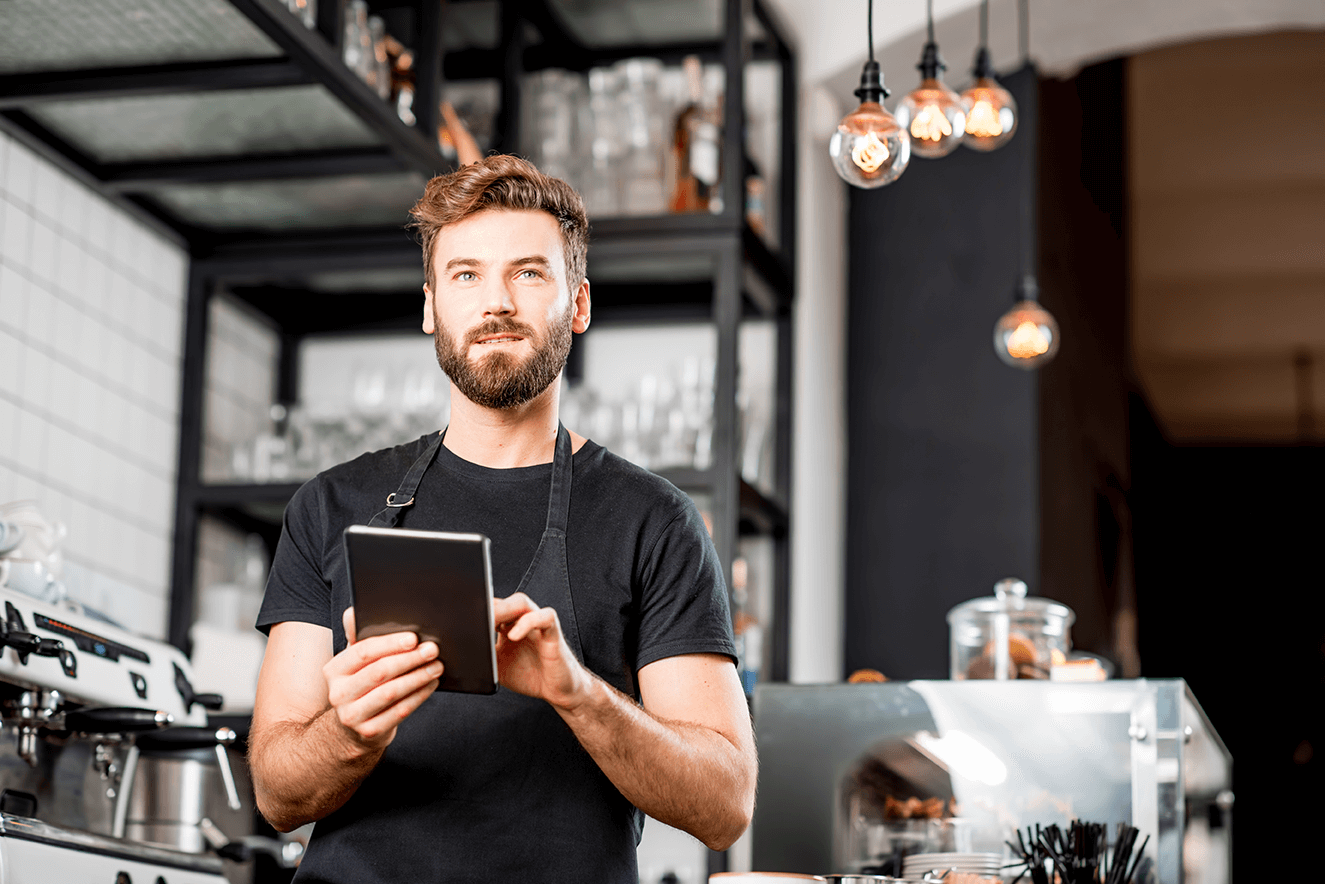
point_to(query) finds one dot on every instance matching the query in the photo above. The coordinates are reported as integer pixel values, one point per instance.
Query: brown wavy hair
(502, 182)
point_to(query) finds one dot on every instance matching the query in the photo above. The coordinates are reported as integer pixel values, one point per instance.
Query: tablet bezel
(394, 588)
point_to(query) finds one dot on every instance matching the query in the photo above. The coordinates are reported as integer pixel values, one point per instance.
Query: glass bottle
(746, 628)
(642, 178)
(400, 77)
(602, 195)
(379, 69)
(305, 10)
(357, 50)
(696, 148)
(558, 99)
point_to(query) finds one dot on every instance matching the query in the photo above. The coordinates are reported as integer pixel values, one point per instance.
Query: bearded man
(618, 692)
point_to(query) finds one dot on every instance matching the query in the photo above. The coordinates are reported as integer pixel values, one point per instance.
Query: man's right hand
(322, 722)
(375, 684)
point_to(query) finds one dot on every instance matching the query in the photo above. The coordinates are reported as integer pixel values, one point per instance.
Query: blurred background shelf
(258, 507)
(294, 216)
(240, 133)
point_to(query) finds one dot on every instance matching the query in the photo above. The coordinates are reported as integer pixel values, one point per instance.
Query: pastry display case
(854, 777)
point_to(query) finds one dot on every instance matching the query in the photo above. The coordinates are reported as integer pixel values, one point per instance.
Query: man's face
(501, 311)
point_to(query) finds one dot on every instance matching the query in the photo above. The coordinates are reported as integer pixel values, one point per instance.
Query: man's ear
(580, 321)
(429, 327)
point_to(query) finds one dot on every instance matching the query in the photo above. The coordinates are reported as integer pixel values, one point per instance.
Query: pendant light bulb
(991, 114)
(869, 148)
(934, 118)
(932, 114)
(991, 117)
(1027, 335)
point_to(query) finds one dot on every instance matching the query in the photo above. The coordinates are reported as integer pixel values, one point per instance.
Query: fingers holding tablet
(375, 683)
(428, 585)
(533, 657)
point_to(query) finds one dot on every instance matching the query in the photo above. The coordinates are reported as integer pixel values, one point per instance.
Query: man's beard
(500, 379)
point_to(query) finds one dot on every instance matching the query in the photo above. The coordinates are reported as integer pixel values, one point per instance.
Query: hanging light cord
(984, 23)
(1024, 30)
(1029, 147)
(870, 25)
(929, 13)
(1028, 210)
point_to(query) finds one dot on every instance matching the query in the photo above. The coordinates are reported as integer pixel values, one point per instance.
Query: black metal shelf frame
(748, 278)
(268, 267)
(311, 57)
(739, 291)
(760, 513)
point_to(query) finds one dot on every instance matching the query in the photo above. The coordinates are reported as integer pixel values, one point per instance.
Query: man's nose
(498, 300)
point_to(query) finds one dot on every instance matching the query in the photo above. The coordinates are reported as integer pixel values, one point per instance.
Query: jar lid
(1010, 598)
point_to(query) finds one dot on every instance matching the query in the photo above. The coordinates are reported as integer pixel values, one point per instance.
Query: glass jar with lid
(1008, 635)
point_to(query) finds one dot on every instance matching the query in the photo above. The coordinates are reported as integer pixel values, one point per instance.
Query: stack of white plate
(989, 865)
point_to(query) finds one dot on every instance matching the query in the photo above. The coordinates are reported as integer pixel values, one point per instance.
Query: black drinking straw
(1136, 862)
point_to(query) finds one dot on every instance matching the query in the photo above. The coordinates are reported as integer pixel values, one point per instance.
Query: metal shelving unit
(235, 131)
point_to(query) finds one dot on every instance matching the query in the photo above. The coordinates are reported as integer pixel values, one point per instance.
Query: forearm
(685, 775)
(303, 771)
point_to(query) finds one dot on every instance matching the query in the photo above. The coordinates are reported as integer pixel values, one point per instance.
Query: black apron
(546, 581)
(500, 781)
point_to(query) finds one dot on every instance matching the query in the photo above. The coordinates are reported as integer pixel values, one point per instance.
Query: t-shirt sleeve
(296, 587)
(683, 602)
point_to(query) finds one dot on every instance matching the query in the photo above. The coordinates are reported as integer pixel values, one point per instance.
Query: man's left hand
(533, 657)
(686, 758)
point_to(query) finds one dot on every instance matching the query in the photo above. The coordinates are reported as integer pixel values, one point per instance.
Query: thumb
(347, 620)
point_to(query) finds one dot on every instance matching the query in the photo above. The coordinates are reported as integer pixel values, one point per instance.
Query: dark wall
(1231, 597)
(942, 437)
(1085, 518)
(1195, 562)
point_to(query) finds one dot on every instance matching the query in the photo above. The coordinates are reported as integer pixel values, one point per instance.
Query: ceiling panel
(1229, 231)
(1224, 315)
(385, 279)
(1227, 289)
(475, 25)
(48, 35)
(303, 204)
(643, 267)
(206, 124)
(601, 23)
(1247, 400)
(1265, 78)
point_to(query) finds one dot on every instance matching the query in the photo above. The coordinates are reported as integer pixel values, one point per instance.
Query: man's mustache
(500, 327)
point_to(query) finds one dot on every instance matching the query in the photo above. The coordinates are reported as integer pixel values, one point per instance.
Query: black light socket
(930, 61)
(1028, 289)
(871, 83)
(983, 67)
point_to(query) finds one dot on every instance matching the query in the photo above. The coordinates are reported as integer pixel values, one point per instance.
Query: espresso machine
(106, 755)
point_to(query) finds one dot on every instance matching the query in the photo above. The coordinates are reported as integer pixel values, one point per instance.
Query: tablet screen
(435, 584)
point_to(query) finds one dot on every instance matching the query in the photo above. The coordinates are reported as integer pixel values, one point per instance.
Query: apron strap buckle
(391, 500)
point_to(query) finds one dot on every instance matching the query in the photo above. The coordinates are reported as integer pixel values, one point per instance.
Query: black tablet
(435, 584)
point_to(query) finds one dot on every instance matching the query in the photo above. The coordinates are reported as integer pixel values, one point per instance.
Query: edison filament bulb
(869, 148)
(1026, 336)
(932, 114)
(991, 113)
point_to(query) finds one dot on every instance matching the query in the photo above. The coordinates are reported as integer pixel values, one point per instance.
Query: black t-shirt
(646, 584)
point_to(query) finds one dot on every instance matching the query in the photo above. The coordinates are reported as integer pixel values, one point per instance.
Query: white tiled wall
(242, 350)
(91, 312)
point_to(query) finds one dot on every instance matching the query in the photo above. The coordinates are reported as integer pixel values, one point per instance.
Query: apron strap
(558, 504)
(403, 497)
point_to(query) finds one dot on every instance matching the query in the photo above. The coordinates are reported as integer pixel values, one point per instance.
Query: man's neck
(504, 438)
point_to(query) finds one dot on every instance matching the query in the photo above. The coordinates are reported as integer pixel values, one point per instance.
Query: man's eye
(530, 274)
(465, 276)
